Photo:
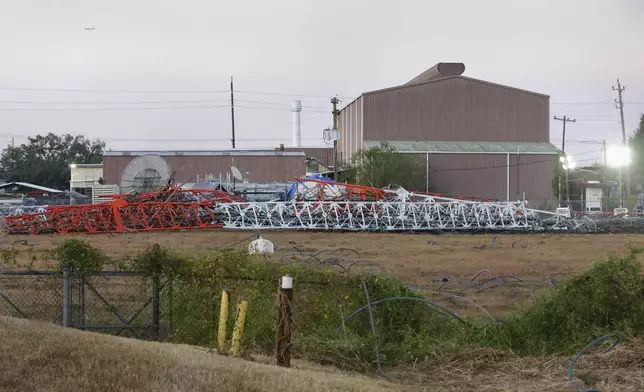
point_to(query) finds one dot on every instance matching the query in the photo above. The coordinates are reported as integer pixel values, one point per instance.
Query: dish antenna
(237, 175)
(145, 173)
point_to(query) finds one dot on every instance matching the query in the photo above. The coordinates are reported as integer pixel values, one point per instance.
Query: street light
(567, 164)
(71, 167)
(618, 156)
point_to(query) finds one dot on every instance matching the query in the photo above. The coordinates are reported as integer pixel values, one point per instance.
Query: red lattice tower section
(168, 209)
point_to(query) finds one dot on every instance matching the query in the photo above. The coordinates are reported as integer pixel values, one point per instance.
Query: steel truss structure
(316, 205)
(429, 215)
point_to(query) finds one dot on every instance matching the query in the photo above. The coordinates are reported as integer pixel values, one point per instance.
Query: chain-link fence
(604, 205)
(115, 302)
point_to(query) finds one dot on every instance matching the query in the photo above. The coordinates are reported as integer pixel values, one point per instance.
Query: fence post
(223, 321)
(238, 330)
(81, 301)
(170, 292)
(156, 300)
(67, 294)
(284, 321)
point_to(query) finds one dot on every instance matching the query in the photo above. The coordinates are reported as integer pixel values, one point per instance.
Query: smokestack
(296, 108)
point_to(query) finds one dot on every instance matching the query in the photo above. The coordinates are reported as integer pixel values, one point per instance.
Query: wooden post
(284, 321)
(238, 330)
(223, 321)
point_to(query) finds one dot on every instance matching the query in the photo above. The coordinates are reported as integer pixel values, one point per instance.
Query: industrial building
(194, 166)
(474, 137)
(145, 169)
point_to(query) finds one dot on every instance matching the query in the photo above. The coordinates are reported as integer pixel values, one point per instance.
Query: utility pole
(605, 159)
(336, 113)
(565, 119)
(619, 104)
(232, 110)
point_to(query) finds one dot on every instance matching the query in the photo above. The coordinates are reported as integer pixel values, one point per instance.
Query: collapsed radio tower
(314, 205)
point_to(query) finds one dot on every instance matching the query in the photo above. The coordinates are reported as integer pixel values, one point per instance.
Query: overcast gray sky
(573, 50)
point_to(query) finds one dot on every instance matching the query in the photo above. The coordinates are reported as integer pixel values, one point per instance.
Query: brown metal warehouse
(477, 138)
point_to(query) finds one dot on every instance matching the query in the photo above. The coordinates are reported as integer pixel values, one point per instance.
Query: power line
(135, 108)
(284, 94)
(175, 140)
(279, 109)
(78, 90)
(505, 165)
(111, 102)
(118, 108)
(592, 103)
(176, 91)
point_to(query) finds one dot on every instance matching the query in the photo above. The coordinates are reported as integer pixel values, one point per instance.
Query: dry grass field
(412, 257)
(42, 357)
(418, 259)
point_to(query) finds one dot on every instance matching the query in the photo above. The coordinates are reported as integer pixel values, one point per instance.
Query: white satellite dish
(145, 173)
(237, 175)
(261, 246)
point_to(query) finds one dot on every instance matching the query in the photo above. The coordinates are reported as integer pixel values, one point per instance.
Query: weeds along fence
(159, 295)
(123, 303)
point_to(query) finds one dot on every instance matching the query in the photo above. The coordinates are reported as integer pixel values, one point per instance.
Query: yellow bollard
(238, 331)
(223, 321)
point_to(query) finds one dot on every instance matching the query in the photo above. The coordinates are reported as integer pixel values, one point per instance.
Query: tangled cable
(475, 285)
(492, 281)
(342, 258)
(574, 360)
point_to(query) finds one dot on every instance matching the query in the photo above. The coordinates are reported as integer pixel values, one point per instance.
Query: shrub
(81, 256)
(608, 298)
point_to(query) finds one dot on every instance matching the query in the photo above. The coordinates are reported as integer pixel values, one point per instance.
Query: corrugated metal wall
(485, 175)
(83, 173)
(456, 109)
(532, 174)
(260, 168)
(351, 129)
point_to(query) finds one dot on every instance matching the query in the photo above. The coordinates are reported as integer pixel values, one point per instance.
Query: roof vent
(440, 70)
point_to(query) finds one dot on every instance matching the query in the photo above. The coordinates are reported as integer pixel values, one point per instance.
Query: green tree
(636, 142)
(382, 166)
(45, 160)
(558, 177)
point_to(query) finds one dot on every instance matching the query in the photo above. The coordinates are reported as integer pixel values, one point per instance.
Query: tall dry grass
(41, 357)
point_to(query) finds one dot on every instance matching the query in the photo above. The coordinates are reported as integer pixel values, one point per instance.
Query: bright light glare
(572, 165)
(567, 163)
(618, 155)
(73, 165)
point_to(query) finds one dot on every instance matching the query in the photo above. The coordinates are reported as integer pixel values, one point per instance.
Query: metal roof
(245, 153)
(443, 147)
(32, 186)
(86, 165)
(439, 80)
